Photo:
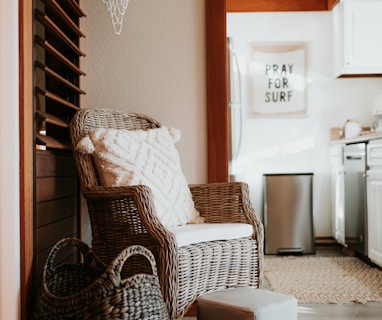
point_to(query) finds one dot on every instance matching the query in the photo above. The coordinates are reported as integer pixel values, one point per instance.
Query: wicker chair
(124, 216)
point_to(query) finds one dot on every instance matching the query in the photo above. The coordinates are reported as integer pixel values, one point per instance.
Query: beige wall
(156, 66)
(9, 163)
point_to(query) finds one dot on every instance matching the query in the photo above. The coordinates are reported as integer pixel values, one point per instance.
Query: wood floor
(348, 311)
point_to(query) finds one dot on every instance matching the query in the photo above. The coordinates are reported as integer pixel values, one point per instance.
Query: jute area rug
(313, 279)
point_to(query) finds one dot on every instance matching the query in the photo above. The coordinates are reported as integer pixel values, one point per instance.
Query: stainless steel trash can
(288, 213)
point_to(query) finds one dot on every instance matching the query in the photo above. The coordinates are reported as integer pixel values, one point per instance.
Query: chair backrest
(87, 119)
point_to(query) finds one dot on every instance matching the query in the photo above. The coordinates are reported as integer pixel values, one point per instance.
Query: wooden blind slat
(55, 75)
(48, 23)
(56, 98)
(76, 8)
(52, 119)
(53, 5)
(48, 47)
(51, 142)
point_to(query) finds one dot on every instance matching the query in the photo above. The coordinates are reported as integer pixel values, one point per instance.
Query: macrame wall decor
(116, 9)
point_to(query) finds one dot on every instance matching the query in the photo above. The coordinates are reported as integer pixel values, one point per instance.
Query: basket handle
(115, 268)
(66, 242)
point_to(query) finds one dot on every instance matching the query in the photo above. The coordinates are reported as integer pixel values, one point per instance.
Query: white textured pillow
(144, 157)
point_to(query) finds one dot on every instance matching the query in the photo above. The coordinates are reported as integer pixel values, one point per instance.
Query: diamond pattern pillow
(144, 157)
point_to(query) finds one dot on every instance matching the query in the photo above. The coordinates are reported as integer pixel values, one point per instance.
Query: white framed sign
(278, 79)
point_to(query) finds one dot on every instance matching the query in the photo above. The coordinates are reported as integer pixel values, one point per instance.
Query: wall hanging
(116, 10)
(278, 79)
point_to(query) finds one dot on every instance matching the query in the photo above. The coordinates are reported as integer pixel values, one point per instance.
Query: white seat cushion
(196, 233)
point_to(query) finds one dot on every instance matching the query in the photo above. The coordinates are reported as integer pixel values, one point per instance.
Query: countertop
(361, 138)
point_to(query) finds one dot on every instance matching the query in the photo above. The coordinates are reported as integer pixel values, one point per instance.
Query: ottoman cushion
(246, 304)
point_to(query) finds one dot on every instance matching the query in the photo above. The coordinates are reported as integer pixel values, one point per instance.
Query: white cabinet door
(358, 37)
(338, 193)
(374, 202)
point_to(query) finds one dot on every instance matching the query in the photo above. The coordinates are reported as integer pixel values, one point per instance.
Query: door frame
(216, 56)
(26, 155)
(217, 94)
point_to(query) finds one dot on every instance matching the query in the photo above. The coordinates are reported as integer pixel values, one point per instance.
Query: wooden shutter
(57, 81)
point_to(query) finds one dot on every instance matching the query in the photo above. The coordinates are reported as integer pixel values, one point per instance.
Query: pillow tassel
(175, 134)
(85, 145)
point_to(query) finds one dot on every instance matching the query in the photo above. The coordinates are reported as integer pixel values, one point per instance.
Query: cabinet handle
(353, 158)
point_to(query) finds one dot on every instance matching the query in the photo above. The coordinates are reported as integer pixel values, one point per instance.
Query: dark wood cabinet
(56, 204)
(57, 57)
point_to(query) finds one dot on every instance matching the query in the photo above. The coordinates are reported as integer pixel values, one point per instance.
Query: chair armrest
(222, 202)
(124, 216)
(133, 203)
(226, 202)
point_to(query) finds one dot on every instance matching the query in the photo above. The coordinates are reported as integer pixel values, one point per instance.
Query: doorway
(217, 91)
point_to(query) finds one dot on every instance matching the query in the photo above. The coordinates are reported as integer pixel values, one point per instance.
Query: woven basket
(89, 290)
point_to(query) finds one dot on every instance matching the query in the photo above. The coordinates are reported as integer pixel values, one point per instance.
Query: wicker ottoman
(246, 304)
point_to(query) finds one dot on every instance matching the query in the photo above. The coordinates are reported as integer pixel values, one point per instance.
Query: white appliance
(235, 109)
(355, 197)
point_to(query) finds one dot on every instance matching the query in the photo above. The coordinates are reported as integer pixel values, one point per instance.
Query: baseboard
(327, 241)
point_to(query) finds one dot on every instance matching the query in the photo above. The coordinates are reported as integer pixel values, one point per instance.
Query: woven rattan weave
(124, 216)
(90, 290)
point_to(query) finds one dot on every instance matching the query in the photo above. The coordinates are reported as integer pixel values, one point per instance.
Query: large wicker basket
(89, 290)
